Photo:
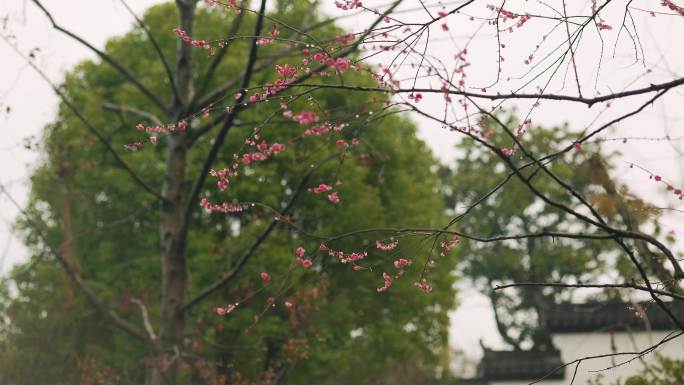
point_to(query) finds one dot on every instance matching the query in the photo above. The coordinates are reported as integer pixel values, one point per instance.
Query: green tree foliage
(515, 210)
(92, 212)
(506, 206)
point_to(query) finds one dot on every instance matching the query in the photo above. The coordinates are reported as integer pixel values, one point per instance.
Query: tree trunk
(174, 269)
(172, 236)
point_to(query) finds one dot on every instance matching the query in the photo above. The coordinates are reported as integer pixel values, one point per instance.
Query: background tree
(520, 310)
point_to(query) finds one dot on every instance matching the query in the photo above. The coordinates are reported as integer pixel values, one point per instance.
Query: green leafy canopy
(90, 209)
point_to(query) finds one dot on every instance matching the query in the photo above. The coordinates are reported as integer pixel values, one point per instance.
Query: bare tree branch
(589, 285)
(107, 58)
(157, 48)
(636, 355)
(88, 125)
(557, 97)
(211, 70)
(146, 319)
(71, 272)
(135, 111)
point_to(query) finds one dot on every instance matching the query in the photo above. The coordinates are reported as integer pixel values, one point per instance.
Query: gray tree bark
(171, 219)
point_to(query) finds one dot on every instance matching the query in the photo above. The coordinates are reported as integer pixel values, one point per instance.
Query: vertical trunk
(172, 236)
(174, 269)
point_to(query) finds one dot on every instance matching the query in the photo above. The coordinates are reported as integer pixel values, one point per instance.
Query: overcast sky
(32, 103)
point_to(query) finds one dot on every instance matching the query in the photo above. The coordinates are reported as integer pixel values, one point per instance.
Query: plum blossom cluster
(321, 188)
(340, 63)
(672, 6)
(155, 130)
(348, 4)
(450, 244)
(416, 97)
(269, 89)
(461, 57)
(267, 41)
(345, 258)
(225, 310)
(317, 130)
(348, 258)
(442, 14)
(387, 279)
(603, 26)
(385, 78)
(158, 129)
(323, 129)
(343, 143)
(509, 151)
(303, 118)
(387, 282)
(286, 71)
(230, 3)
(300, 260)
(132, 146)
(505, 15)
(391, 245)
(333, 197)
(223, 175)
(521, 127)
(264, 152)
(677, 191)
(344, 39)
(265, 277)
(224, 207)
(188, 40)
(402, 262)
(280, 84)
(423, 285)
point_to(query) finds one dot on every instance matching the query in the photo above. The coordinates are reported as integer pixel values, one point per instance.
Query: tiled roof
(609, 316)
(520, 365)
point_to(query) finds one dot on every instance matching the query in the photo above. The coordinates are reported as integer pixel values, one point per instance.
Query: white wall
(577, 345)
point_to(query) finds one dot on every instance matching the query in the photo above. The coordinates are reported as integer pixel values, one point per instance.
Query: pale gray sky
(33, 104)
